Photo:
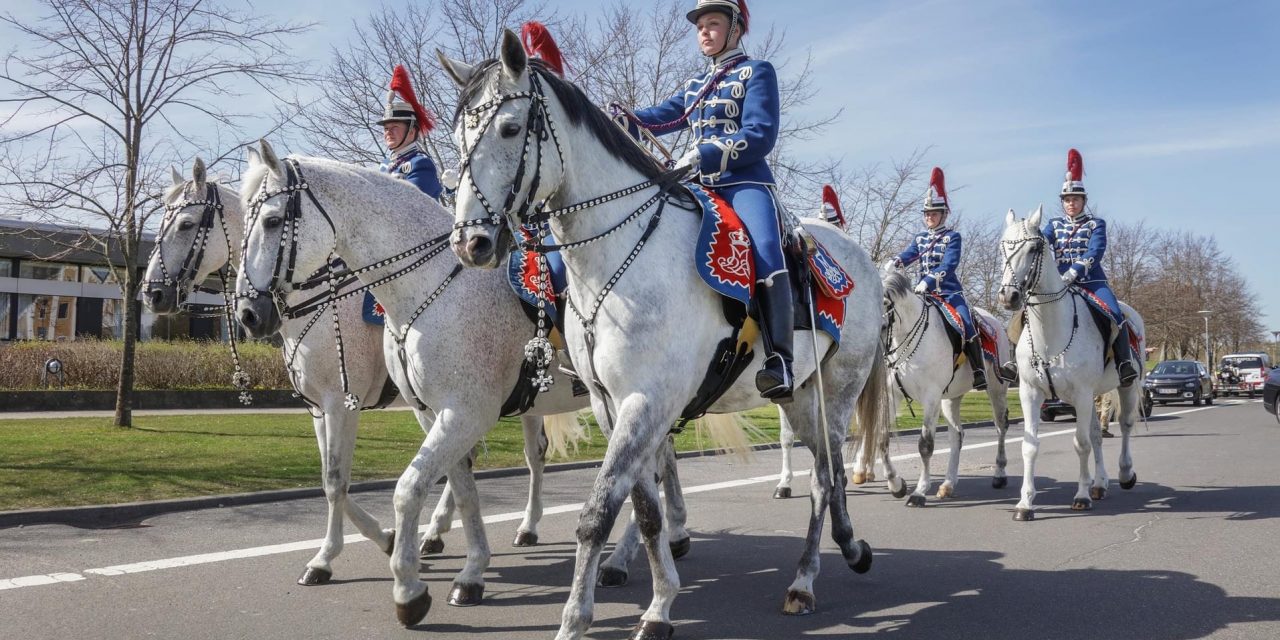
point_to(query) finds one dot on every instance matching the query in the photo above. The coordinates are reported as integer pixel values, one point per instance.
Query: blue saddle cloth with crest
(372, 311)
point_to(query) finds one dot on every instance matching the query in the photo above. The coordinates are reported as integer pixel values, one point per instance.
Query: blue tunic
(416, 167)
(938, 254)
(733, 111)
(1080, 244)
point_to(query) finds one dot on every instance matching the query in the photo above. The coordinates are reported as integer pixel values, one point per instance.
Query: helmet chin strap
(733, 28)
(404, 138)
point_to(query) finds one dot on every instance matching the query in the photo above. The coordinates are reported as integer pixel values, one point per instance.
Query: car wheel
(1045, 416)
(1145, 407)
(1196, 401)
(1208, 399)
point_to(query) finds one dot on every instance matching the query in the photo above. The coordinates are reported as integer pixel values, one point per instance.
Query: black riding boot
(777, 326)
(1124, 358)
(973, 353)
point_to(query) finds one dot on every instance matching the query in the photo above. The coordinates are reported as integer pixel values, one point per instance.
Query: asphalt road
(1189, 553)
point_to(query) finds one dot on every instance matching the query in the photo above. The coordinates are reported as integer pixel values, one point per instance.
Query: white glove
(889, 265)
(1070, 276)
(921, 287)
(690, 160)
(449, 179)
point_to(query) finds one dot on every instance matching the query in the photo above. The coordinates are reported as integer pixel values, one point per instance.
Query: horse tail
(564, 431)
(730, 433)
(875, 408)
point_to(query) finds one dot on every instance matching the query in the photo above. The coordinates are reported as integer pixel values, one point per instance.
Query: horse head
(192, 243)
(285, 235)
(511, 156)
(1022, 246)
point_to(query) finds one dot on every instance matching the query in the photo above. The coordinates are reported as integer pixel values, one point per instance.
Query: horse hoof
(782, 493)
(391, 543)
(865, 556)
(413, 611)
(1130, 483)
(431, 546)
(680, 548)
(1098, 493)
(999, 483)
(523, 539)
(466, 595)
(916, 500)
(650, 630)
(1081, 504)
(611, 577)
(859, 477)
(900, 491)
(313, 576)
(945, 491)
(799, 603)
(1023, 515)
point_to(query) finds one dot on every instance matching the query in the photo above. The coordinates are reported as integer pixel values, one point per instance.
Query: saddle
(1101, 319)
(955, 333)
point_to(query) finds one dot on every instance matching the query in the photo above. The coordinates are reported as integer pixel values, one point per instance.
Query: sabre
(809, 246)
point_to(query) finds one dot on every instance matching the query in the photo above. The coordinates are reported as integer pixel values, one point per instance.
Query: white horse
(922, 365)
(459, 335)
(1060, 352)
(201, 233)
(644, 326)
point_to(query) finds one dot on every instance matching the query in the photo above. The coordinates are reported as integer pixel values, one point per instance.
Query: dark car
(1269, 392)
(1052, 408)
(1180, 381)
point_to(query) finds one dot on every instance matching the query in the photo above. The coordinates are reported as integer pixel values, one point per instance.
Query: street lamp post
(1208, 357)
(1275, 338)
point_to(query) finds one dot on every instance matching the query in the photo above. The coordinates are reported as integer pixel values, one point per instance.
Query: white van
(1249, 373)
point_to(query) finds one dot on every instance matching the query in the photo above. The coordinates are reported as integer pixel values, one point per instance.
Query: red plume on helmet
(936, 199)
(538, 41)
(1075, 166)
(829, 199)
(401, 85)
(744, 15)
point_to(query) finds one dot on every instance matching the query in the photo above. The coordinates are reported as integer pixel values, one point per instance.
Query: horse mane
(896, 284)
(580, 109)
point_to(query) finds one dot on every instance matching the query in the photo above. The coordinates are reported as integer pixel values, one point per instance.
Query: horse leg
(1086, 426)
(1030, 396)
(468, 586)
(1000, 414)
(448, 441)
(440, 523)
(676, 514)
(929, 406)
(1100, 482)
(319, 569)
(800, 599)
(655, 623)
(637, 433)
(535, 457)
(1129, 400)
(955, 433)
(787, 438)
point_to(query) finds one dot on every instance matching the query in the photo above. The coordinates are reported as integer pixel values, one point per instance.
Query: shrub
(187, 364)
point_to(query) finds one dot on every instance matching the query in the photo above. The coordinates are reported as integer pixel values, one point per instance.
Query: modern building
(57, 284)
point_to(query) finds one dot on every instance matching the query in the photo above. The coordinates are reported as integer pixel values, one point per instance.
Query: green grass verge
(80, 461)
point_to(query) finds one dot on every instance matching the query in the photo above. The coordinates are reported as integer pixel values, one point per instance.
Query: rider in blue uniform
(404, 124)
(938, 251)
(732, 109)
(1079, 240)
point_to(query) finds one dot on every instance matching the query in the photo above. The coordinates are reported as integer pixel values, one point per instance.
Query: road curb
(119, 515)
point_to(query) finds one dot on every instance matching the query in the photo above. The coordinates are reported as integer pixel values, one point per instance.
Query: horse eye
(273, 222)
(185, 225)
(509, 129)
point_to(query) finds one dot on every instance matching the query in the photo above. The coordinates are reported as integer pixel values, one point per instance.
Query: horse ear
(1010, 218)
(1035, 217)
(175, 176)
(252, 157)
(514, 59)
(269, 157)
(461, 72)
(198, 173)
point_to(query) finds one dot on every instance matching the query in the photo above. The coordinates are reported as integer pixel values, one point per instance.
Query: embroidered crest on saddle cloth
(372, 311)
(522, 273)
(723, 260)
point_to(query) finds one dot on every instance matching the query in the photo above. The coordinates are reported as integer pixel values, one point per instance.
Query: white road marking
(305, 545)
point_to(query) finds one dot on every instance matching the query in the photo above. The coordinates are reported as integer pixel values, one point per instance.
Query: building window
(46, 317)
(97, 274)
(112, 320)
(6, 268)
(5, 301)
(48, 271)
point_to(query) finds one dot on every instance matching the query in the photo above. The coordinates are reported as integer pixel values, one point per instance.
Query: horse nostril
(248, 318)
(479, 246)
(156, 296)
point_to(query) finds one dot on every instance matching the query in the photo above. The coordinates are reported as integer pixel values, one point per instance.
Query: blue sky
(1175, 104)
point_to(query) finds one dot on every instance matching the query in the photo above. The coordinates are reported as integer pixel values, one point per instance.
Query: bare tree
(881, 202)
(105, 92)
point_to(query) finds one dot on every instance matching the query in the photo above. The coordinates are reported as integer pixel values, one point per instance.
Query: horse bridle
(1008, 248)
(212, 210)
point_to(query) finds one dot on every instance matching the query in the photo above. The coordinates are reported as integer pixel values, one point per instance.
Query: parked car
(1180, 381)
(1052, 408)
(1243, 373)
(1269, 392)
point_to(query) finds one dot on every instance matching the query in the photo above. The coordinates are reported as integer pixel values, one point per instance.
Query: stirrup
(1008, 372)
(979, 380)
(770, 385)
(1127, 373)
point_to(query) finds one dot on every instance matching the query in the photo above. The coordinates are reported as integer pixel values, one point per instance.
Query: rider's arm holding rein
(1097, 247)
(950, 262)
(908, 257)
(758, 130)
(670, 111)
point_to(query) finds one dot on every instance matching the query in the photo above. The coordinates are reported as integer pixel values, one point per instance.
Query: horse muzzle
(258, 316)
(161, 299)
(1010, 298)
(480, 246)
